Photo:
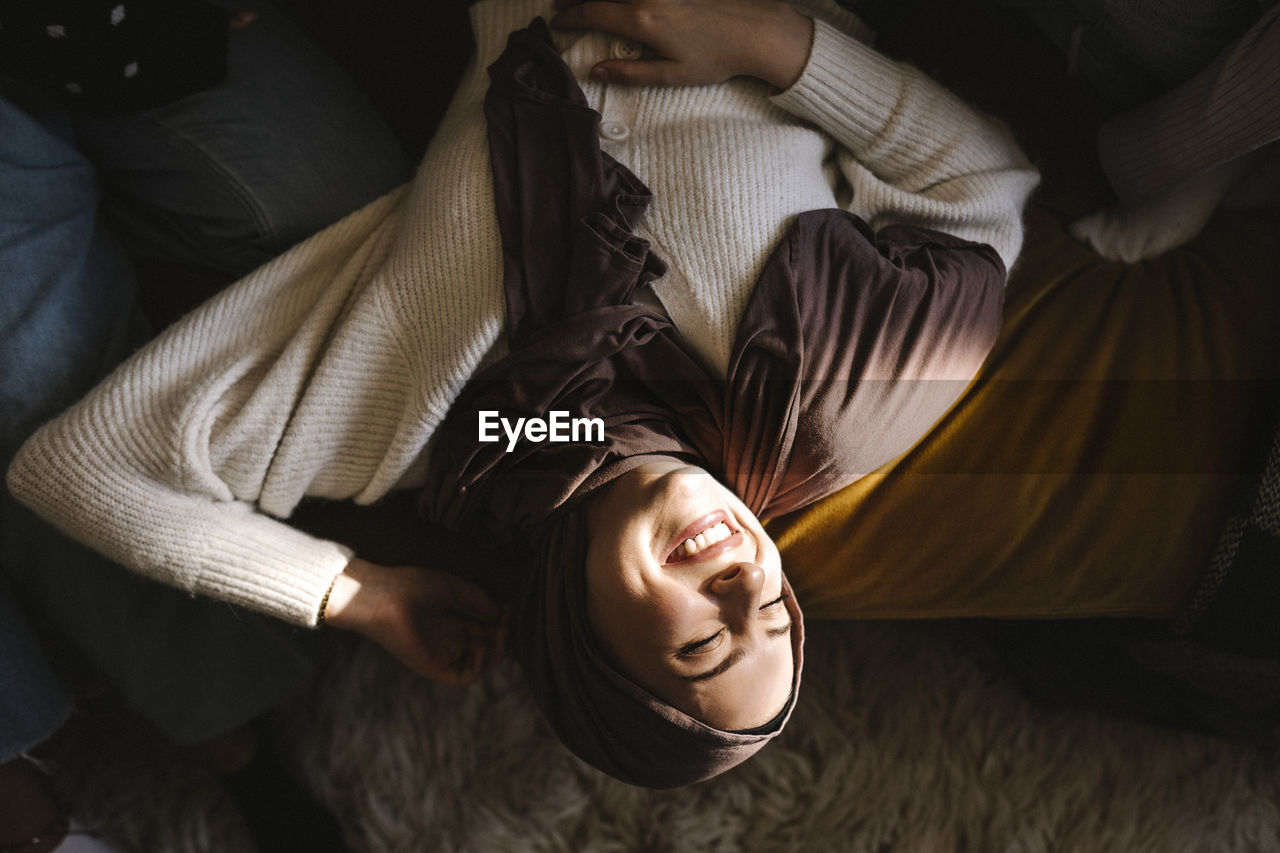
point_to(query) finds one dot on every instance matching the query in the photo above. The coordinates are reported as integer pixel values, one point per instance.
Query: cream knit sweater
(325, 372)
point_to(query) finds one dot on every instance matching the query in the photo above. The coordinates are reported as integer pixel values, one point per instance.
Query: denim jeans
(222, 179)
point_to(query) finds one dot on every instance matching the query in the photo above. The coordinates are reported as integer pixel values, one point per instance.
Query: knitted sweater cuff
(291, 570)
(1222, 113)
(846, 88)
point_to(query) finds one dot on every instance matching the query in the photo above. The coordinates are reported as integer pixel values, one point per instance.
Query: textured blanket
(908, 737)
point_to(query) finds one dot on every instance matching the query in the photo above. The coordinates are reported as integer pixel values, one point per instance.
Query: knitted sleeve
(160, 466)
(1227, 110)
(913, 153)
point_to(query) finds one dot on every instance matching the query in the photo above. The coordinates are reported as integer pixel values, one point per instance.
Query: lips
(707, 537)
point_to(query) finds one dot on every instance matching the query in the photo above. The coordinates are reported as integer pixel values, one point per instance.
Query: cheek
(613, 558)
(771, 560)
(678, 610)
(665, 617)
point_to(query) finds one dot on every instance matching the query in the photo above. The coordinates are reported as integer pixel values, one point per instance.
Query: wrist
(781, 59)
(352, 598)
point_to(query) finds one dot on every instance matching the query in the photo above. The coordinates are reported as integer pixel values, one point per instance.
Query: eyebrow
(735, 656)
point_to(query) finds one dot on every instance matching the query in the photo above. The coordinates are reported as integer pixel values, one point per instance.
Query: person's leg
(67, 304)
(231, 176)
(196, 669)
(67, 315)
(58, 330)
(34, 703)
(222, 179)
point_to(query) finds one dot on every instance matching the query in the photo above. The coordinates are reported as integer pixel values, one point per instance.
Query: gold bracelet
(324, 602)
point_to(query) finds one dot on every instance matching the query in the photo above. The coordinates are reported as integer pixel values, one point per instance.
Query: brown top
(852, 346)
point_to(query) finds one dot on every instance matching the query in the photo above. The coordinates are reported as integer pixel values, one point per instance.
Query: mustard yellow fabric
(1089, 468)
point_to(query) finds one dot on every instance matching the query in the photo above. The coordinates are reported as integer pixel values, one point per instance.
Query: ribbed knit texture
(326, 372)
(1225, 111)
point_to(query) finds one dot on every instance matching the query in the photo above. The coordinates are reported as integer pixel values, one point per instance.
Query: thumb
(635, 72)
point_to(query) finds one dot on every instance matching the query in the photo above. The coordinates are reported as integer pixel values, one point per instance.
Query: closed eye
(700, 647)
(707, 644)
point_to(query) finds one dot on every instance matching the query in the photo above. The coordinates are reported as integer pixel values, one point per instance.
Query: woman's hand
(697, 42)
(439, 625)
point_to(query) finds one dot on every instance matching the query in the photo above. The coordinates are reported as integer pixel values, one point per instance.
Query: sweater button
(614, 131)
(625, 49)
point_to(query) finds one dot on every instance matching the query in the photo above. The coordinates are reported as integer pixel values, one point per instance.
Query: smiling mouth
(701, 537)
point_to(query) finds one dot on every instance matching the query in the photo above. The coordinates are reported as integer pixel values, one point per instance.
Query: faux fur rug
(907, 737)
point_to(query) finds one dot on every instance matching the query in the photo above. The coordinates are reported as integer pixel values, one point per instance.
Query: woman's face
(684, 591)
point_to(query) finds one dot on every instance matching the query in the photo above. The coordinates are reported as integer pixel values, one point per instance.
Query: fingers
(466, 666)
(623, 20)
(610, 17)
(458, 652)
(441, 626)
(684, 44)
(637, 72)
(473, 657)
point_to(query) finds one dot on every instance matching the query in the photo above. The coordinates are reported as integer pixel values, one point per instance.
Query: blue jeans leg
(229, 177)
(192, 666)
(67, 315)
(222, 179)
(67, 291)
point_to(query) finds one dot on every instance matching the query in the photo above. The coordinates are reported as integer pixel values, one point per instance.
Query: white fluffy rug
(906, 738)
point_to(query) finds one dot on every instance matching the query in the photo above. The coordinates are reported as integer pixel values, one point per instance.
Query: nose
(739, 587)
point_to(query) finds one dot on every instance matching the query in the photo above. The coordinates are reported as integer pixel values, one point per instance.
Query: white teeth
(711, 536)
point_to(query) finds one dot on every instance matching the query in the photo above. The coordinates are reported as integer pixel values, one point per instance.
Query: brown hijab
(830, 377)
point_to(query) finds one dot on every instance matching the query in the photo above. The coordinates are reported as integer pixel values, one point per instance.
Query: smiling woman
(655, 621)
(815, 277)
